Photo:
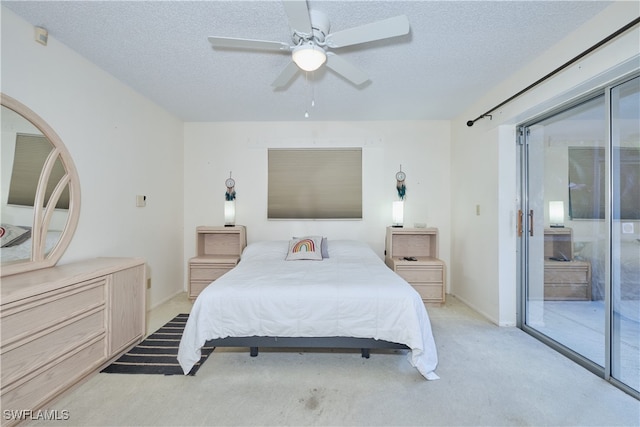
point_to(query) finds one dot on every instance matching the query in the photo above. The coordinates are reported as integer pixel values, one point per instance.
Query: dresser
(218, 250)
(64, 323)
(427, 273)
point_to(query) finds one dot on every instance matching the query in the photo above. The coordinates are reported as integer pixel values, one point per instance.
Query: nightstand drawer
(429, 274)
(195, 287)
(568, 274)
(205, 269)
(427, 292)
(208, 272)
(567, 292)
(567, 280)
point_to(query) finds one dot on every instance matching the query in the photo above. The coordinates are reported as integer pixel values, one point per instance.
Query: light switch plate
(141, 201)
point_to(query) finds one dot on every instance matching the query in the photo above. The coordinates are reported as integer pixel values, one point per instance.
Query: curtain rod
(557, 70)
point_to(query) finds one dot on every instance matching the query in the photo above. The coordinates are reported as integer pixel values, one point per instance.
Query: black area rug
(157, 354)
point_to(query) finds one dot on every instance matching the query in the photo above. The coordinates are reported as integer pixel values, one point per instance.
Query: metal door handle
(520, 215)
(531, 222)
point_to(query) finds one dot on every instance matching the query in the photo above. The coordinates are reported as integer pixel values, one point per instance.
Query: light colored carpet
(490, 376)
(580, 325)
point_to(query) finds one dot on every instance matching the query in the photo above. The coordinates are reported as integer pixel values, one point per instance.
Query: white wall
(122, 145)
(484, 157)
(422, 148)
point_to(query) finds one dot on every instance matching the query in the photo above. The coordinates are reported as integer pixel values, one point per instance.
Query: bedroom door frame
(531, 217)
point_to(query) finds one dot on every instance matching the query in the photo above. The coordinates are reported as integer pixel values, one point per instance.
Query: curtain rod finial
(471, 122)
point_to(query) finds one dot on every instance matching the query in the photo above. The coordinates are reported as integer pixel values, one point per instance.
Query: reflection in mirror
(40, 191)
(24, 153)
(30, 154)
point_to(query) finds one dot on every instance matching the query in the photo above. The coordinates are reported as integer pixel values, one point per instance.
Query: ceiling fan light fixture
(308, 56)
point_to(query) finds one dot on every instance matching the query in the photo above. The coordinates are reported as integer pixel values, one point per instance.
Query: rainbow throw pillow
(305, 248)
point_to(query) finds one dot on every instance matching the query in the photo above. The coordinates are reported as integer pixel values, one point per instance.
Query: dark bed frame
(364, 344)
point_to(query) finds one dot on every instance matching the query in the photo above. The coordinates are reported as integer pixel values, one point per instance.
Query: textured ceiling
(455, 52)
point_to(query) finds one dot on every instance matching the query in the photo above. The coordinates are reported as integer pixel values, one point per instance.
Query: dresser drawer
(36, 390)
(414, 274)
(50, 345)
(20, 320)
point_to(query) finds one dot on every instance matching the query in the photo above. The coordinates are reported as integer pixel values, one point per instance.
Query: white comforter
(351, 294)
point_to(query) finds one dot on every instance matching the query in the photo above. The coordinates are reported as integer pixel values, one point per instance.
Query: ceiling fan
(311, 39)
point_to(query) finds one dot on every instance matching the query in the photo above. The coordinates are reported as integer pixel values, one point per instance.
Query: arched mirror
(40, 191)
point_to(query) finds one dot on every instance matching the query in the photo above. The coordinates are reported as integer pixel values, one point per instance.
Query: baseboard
(159, 303)
(480, 312)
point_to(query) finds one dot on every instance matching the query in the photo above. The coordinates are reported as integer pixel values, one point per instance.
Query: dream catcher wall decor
(230, 202)
(398, 205)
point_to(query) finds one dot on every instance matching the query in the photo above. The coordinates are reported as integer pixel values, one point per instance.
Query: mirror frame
(42, 215)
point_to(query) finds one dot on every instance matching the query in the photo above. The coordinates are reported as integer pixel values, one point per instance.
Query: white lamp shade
(556, 213)
(398, 213)
(309, 57)
(229, 212)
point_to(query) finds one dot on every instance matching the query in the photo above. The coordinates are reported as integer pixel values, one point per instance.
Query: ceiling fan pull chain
(311, 92)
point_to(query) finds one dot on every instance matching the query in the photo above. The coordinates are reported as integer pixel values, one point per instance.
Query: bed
(626, 275)
(346, 298)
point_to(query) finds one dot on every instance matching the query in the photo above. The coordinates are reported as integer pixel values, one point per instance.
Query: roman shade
(315, 183)
(30, 155)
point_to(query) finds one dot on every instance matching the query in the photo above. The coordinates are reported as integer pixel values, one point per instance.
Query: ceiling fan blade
(235, 43)
(346, 69)
(298, 14)
(286, 75)
(386, 28)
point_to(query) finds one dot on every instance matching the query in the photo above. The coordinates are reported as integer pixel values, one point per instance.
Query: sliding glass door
(580, 231)
(625, 233)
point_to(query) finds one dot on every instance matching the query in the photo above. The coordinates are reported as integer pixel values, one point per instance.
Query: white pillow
(350, 249)
(305, 248)
(268, 250)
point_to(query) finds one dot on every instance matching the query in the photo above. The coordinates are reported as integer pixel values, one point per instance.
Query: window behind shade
(30, 154)
(315, 183)
(587, 171)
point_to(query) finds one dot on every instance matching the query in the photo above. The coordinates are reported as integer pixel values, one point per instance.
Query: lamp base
(556, 226)
(229, 225)
(397, 226)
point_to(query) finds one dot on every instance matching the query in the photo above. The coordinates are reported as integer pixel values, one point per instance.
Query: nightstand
(564, 280)
(218, 250)
(567, 280)
(427, 273)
